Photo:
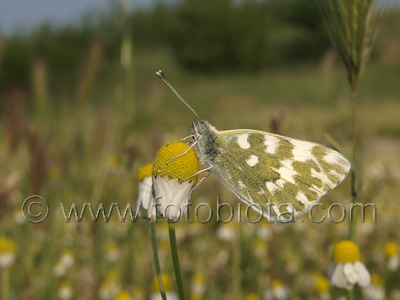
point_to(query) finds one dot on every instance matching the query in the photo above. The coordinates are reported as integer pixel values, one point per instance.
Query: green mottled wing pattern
(277, 173)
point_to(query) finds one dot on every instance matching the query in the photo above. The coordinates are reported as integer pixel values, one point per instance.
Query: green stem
(175, 260)
(236, 271)
(353, 191)
(157, 260)
(4, 283)
(350, 295)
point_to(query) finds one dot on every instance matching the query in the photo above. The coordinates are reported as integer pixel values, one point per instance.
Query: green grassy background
(75, 152)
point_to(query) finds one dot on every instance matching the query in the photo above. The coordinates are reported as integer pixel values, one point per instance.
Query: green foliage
(15, 63)
(215, 35)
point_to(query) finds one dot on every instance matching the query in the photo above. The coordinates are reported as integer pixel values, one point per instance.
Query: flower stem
(350, 295)
(4, 283)
(175, 260)
(353, 187)
(157, 260)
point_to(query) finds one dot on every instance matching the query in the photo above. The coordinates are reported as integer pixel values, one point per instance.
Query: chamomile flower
(65, 291)
(376, 290)
(252, 296)
(226, 232)
(321, 286)
(8, 252)
(392, 253)
(260, 249)
(65, 262)
(123, 296)
(278, 291)
(138, 293)
(346, 269)
(174, 179)
(110, 287)
(112, 251)
(171, 295)
(198, 287)
(145, 195)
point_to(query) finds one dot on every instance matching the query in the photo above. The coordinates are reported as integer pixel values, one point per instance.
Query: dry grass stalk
(353, 26)
(89, 72)
(39, 79)
(13, 118)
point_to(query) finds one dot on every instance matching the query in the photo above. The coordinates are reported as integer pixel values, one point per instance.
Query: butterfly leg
(202, 179)
(187, 150)
(184, 139)
(197, 173)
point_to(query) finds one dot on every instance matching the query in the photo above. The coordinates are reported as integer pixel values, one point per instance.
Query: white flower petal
(364, 279)
(172, 196)
(7, 259)
(338, 278)
(393, 263)
(144, 196)
(350, 273)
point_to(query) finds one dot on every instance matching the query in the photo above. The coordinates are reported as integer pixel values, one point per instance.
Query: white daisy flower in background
(8, 252)
(174, 179)
(145, 195)
(392, 254)
(346, 270)
(112, 251)
(252, 296)
(64, 263)
(138, 293)
(278, 291)
(123, 296)
(321, 286)
(226, 231)
(65, 291)
(375, 291)
(198, 287)
(171, 295)
(110, 286)
(395, 294)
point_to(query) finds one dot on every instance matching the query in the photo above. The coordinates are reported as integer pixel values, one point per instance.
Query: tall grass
(353, 26)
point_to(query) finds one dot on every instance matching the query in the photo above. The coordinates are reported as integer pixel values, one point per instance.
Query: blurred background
(81, 110)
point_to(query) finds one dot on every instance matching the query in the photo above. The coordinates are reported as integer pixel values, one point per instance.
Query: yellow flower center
(145, 172)
(123, 296)
(376, 279)
(252, 296)
(110, 246)
(167, 164)
(346, 251)
(113, 276)
(391, 249)
(6, 246)
(321, 283)
(166, 281)
(198, 278)
(276, 284)
(113, 160)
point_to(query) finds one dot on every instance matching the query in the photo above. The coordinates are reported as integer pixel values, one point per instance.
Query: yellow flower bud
(7, 246)
(145, 172)
(166, 281)
(346, 251)
(391, 249)
(122, 296)
(252, 296)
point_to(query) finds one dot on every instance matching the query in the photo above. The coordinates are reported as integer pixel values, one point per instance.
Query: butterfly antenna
(163, 78)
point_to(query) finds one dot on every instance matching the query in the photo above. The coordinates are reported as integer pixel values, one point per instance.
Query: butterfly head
(205, 135)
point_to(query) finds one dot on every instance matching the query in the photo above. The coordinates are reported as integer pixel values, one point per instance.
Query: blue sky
(27, 13)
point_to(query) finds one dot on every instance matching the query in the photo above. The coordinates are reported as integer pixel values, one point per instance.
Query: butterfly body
(279, 177)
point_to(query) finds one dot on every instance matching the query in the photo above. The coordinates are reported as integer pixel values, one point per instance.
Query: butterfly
(277, 176)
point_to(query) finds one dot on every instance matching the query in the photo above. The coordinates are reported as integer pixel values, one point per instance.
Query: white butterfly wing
(277, 175)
